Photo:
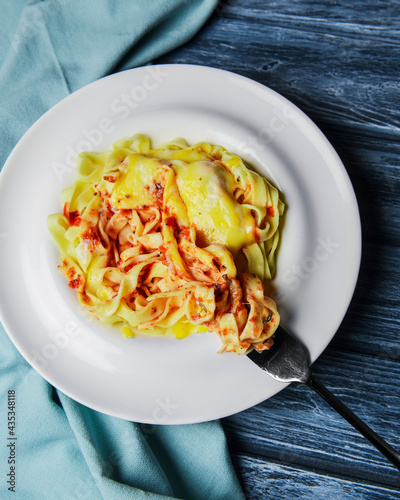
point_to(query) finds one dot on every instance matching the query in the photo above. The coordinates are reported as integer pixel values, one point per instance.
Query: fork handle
(314, 383)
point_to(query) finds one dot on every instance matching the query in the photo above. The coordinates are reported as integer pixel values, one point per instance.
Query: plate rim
(7, 170)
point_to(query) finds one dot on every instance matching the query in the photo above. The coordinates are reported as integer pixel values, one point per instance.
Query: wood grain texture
(340, 63)
(270, 480)
(296, 426)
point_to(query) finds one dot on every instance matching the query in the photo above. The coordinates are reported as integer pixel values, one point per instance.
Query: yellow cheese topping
(173, 240)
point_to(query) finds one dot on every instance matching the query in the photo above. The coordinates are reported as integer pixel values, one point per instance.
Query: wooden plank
(297, 427)
(373, 19)
(332, 77)
(372, 161)
(372, 324)
(370, 329)
(272, 480)
(380, 275)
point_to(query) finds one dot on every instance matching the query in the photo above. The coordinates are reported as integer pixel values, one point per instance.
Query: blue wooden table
(338, 61)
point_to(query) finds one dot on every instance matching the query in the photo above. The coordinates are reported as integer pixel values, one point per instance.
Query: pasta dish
(173, 240)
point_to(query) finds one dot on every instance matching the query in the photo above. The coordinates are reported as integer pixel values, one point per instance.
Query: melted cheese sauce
(207, 191)
(202, 191)
(151, 241)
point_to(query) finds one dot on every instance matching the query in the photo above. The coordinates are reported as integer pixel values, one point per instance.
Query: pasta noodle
(174, 240)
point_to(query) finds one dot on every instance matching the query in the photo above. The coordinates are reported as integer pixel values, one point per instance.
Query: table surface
(339, 62)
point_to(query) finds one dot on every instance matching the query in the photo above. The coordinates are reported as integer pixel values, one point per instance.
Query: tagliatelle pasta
(174, 240)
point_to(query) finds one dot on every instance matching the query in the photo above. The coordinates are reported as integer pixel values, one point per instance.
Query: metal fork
(289, 361)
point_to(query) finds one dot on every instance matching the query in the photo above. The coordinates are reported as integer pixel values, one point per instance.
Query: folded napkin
(64, 450)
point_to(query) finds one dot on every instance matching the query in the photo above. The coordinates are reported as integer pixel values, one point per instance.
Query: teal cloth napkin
(62, 449)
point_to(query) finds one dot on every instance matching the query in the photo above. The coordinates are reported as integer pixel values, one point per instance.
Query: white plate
(163, 380)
